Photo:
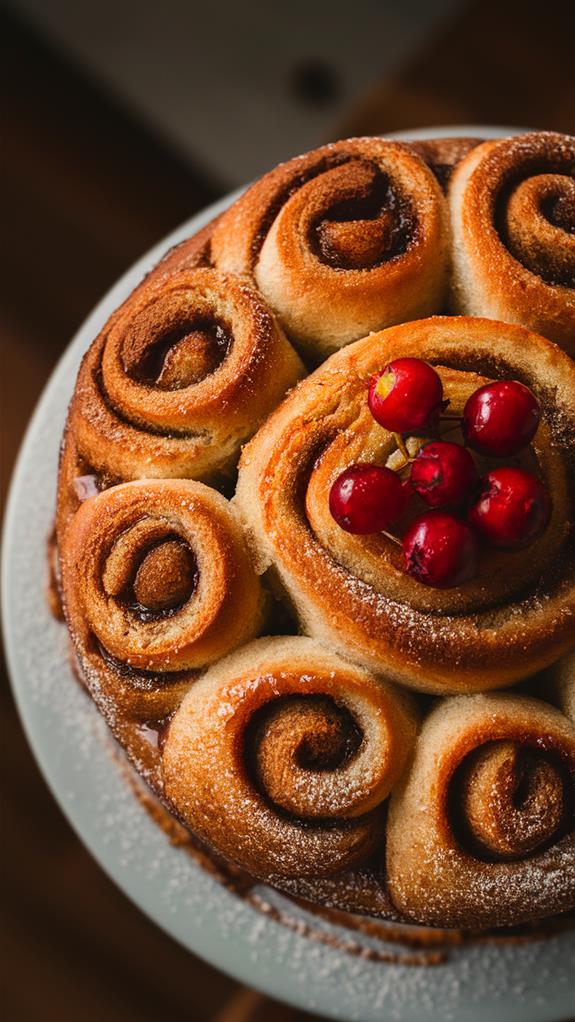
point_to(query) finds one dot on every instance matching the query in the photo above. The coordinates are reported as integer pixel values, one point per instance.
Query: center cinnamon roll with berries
(495, 620)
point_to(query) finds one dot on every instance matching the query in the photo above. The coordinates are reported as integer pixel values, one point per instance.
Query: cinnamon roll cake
(316, 529)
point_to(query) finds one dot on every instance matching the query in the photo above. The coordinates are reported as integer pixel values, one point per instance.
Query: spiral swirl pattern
(350, 590)
(157, 583)
(513, 224)
(481, 827)
(180, 376)
(346, 239)
(512, 801)
(282, 756)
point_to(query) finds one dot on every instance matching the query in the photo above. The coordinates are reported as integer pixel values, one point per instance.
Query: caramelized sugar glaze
(304, 760)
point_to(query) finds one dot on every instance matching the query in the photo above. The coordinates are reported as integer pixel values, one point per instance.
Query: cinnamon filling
(282, 196)
(536, 219)
(510, 800)
(294, 736)
(181, 357)
(560, 211)
(166, 577)
(163, 576)
(366, 229)
(356, 244)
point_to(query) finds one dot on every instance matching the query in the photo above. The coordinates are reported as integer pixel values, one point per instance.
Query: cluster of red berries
(508, 507)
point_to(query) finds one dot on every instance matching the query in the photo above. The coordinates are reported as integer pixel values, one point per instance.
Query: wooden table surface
(89, 191)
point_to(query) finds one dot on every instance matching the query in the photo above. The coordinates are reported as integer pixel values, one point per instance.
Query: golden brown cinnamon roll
(512, 206)
(179, 377)
(348, 238)
(282, 756)
(516, 616)
(157, 583)
(480, 828)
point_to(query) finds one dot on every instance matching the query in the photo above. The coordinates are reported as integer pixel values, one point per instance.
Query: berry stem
(401, 445)
(393, 539)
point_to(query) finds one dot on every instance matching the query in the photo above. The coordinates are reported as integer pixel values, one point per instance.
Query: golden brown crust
(480, 828)
(282, 757)
(512, 206)
(348, 238)
(518, 616)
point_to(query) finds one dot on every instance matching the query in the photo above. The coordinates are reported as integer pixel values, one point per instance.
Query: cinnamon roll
(179, 377)
(349, 238)
(157, 583)
(282, 757)
(512, 208)
(350, 591)
(481, 826)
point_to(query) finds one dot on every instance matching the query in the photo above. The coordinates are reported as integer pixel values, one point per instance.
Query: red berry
(501, 418)
(513, 508)
(367, 498)
(440, 550)
(443, 473)
(406, 396)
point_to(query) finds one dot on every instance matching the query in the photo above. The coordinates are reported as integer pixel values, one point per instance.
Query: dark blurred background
(123, 119)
